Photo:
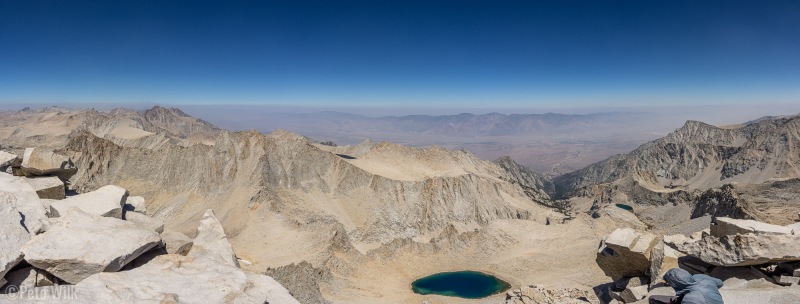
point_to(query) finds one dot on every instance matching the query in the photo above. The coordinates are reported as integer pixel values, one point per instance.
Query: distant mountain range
(549, 143)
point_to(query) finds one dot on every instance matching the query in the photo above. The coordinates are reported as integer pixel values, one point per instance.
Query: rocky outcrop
(144, 221)
(625, 253)
(721, 202)
(106, 201)
(748, 256)
(31, 212)
(533, 294)
(211, 241)
(50, 187)
(302, 280)
(628, 289)
(536, 186)
(42, 162)
(175, 122)
(741, 249)
(633, 294)
(702, 156)
(739, 172)
(135, 204)
(728, 226)
(662, 258)
(86, 250)
(83, 244)
(183, 280)
(7, 160)
(176, 242)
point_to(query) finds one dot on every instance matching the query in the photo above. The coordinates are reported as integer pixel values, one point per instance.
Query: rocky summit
(156, 206)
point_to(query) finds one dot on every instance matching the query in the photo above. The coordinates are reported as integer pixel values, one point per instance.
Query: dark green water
(623, 206)
(462, 284)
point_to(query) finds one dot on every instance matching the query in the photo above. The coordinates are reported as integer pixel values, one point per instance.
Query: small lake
(462, 284)
(625, 207)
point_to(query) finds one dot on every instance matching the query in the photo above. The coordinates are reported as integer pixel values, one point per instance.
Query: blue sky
(401, 53)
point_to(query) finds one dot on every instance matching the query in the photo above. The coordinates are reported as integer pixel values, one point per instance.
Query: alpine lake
(462, 284)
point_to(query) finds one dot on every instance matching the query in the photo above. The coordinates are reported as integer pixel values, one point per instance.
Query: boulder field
(95, 247)
(758, 262)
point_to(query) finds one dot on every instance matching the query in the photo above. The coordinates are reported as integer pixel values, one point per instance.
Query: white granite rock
(662, 258)
(145, 221)
(136, 204)
(6, 159)
(741, 277)
(83, 244)
(625, 253)
(775, 295)
(42, 162)
(728, 226)
(633, 294)
(176, 242)
(48, 187)
(106, 201)
(211, 241)
(13, 235)
(184, 279)
(741, 249)
(25, 200)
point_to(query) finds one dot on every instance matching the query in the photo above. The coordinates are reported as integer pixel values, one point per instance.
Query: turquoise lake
(462, 284)
(625, 207)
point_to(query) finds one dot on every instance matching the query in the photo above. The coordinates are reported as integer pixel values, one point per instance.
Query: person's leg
(660, 299)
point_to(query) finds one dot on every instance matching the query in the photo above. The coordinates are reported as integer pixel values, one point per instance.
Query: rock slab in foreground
(7, 160)
(176, 242)
(106, 201)
(184, 280)
(26, 201)
(625, 253)
(728, 226)
(48, 187)
(12, 234)
(41, 162)
(662, 258)
(135, 204)
(740, 249)
(211, 241)
(145, 221)
(83, 244)
(633, 294)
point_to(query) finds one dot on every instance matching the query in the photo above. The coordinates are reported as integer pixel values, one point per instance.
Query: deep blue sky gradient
(401, 53)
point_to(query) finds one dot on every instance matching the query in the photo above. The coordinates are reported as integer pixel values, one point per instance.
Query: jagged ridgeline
(53, 126)
(379, 191)
(717, 170)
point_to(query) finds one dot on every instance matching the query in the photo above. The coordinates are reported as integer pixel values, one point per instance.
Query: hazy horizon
(712, 114)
